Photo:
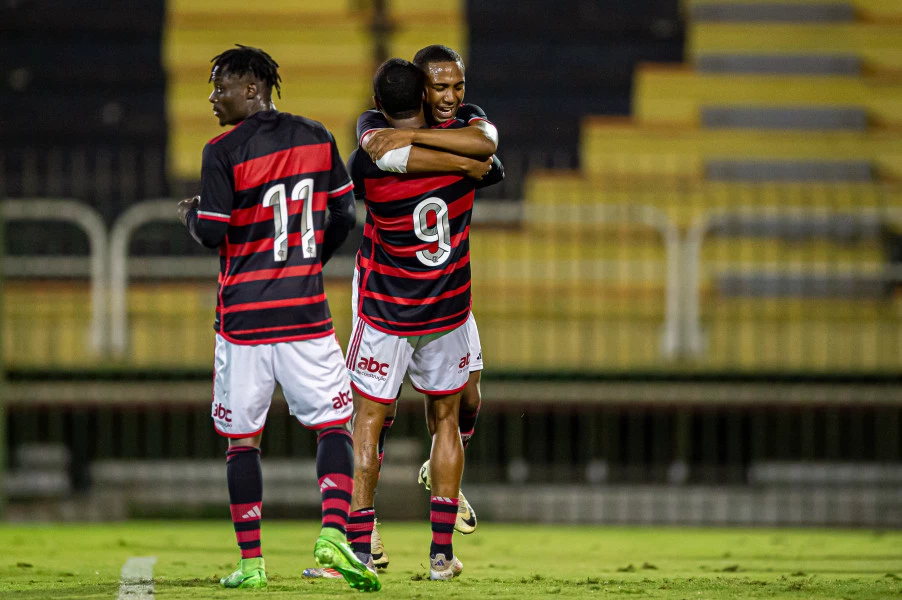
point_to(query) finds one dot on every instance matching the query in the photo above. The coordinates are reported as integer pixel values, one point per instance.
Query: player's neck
(261, 106)
(411, 122)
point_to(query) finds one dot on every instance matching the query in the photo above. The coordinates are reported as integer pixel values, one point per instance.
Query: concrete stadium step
(879, 45)
(855, 285)
(789, 170)
(737, 12)
(869, 10)
(746, 64)
(571, 192)
(676, 96)
(609, 144)
(784, 117)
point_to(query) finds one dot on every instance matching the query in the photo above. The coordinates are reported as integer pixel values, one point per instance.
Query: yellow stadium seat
(666, 95)
(879, 45)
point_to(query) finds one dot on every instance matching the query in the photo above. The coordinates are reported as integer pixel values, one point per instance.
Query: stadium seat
(782, 117)
(622, 147)
(325, 72)
(813, 64)
(741, 12)
(879, 45)
(675, 96)
(868, 10)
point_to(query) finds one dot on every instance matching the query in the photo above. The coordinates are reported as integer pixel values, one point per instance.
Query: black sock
(467, 424)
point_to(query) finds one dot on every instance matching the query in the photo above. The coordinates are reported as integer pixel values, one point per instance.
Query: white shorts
(311, 372)
(475, 344)
(438, 364)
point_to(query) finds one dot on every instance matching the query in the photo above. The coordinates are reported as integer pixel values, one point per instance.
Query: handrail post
(89, 221)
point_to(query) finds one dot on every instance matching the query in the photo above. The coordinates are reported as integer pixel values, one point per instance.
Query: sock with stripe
(467, 424)
(386, 425)
(335, 470)
(360, 529)
(442, 514)
(245, 479)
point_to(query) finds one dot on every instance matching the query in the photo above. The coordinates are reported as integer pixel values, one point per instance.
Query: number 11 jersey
(271, 178)
(413, 266)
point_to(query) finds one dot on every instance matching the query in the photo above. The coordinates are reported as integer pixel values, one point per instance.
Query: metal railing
(682, 335)
(89, 221)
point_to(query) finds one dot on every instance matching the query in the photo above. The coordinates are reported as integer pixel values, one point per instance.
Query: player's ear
(251, 90)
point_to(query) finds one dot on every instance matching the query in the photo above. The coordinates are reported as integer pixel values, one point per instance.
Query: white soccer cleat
(442, 569)
(380, 556)
(466, 515)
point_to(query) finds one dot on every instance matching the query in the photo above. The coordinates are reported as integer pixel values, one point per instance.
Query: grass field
(501, 561)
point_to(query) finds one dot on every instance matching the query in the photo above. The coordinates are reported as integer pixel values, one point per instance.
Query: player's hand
(381, 141)
(479, 168)
(185, 206)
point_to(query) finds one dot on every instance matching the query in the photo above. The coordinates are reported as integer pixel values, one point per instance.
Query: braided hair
(247, 59)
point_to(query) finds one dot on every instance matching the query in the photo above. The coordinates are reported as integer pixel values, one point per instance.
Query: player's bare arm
(479, 140)
(425, 160)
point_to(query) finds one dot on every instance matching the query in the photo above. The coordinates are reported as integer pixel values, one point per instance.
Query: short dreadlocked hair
(247, 59)
(436, 53)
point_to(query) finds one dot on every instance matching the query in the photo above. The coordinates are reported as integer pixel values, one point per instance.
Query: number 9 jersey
(270, 179)
(413, 267)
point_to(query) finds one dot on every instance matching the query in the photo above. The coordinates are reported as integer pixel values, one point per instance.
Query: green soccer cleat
(380, 556)
(251, 573)
(332, 552)
(466, 515)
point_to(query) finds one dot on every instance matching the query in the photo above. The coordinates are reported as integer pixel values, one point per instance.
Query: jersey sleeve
(468, 113)
(369, 121)
(356, 170)
(216, 186)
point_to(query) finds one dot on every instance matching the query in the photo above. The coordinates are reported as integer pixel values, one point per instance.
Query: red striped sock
(442, 515)
(360, 530)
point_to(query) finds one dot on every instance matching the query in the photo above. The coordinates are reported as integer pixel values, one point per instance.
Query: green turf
(501, 561)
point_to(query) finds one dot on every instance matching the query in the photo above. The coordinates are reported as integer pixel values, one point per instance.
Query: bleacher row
(778, 163)
(777, 148)
(325, 51)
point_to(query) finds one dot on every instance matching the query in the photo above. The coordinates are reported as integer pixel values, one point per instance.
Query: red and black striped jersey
(373, 119)
(270, 179)
(414, 261)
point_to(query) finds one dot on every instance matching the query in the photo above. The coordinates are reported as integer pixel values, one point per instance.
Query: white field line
(136, 581)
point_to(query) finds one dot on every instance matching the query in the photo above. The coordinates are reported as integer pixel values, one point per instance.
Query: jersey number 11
(277, 199)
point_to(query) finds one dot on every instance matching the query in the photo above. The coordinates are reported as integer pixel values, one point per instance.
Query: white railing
(89, 221)
(120, 236)
(109, 263)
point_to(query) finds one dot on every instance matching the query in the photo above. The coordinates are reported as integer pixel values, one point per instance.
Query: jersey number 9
(439, 234)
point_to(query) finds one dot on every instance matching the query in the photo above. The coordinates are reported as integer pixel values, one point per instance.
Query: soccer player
(266, 185)
(413, 298)
(445, 89)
